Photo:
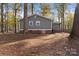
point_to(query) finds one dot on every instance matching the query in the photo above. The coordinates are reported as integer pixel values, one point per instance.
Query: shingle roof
(38, 16)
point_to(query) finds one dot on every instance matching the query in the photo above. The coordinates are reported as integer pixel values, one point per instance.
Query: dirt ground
(34, 44)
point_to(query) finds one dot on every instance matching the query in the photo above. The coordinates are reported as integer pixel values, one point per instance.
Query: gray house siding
(44, 23)
(56, 26)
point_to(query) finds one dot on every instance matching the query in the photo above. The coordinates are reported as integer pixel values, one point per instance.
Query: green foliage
(69, 21)
(46, 10)
(9, 15)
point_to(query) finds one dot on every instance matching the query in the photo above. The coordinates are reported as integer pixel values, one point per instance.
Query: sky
(37, 8)
(72, 7)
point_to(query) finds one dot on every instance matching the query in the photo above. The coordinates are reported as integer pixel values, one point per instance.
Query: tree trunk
(5, 22)
(75, 28)
(2, 26)
(32, 8)
(15, 18)
(25, 17)
(62, 18)
(7, 19)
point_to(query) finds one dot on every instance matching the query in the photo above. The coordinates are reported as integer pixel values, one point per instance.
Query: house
(37, 23)
(56, 26)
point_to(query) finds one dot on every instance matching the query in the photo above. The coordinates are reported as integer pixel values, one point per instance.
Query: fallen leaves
(34, 44)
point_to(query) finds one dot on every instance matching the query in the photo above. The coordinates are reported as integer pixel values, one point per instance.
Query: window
(30, 23)
(37, 23)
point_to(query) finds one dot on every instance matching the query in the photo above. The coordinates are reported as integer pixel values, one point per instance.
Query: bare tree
(15, 11)
(2, 30)
(61, 8)
(25, 17)
(32, 8)
(7, 18)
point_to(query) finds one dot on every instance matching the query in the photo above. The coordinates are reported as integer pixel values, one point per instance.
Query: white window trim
(38, 23)
(30, 22)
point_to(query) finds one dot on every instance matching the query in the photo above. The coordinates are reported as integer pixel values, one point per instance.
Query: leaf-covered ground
(35, 44)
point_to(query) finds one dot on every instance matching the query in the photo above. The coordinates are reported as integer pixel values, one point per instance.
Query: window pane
(30, 23)
(37, 23)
